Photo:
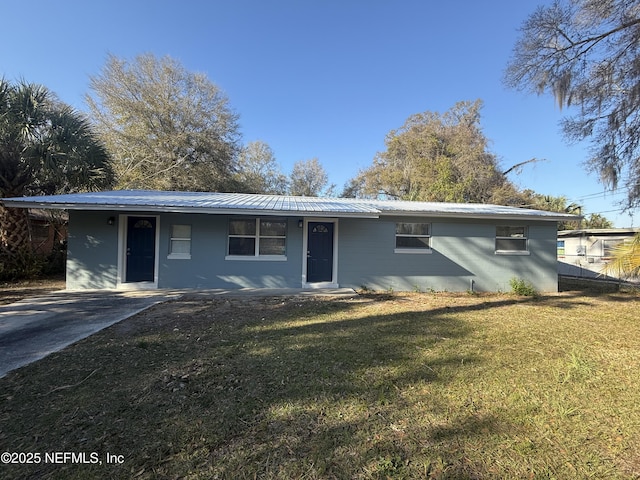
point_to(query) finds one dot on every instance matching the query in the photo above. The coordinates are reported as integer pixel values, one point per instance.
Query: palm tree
(46, 147)
(625, 259)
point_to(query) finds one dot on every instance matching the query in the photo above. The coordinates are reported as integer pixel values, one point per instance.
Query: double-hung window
(413, 238)
(257, 238)
(512, 240)
(180, 242)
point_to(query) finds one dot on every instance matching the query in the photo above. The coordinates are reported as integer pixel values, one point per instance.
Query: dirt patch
(196, 312)
(11, 292)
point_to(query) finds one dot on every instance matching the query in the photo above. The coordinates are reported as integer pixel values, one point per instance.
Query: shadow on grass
(236, 389)
(321, 395)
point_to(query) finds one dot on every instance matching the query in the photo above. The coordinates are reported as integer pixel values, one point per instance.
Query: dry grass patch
(381, 386)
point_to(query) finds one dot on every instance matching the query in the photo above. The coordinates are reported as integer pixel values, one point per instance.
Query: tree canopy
(436, 157)
(165, 127)
(45, 148)
(309, 178)
(445, 158)
(258, 170)
(586, 53)
(595, 220)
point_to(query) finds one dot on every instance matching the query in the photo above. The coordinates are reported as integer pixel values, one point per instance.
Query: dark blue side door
(141, 249)
(320, 252)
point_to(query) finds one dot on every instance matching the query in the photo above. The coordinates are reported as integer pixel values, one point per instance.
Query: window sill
(419, 251)
(257, 258)
(179, 256)
(512, 252)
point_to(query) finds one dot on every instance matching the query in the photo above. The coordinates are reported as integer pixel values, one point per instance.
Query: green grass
(522, 287)
(382, 386)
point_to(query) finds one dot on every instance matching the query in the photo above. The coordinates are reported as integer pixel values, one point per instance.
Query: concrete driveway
(35, 327)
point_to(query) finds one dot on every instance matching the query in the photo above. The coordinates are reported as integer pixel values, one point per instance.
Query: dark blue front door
(141, 249)
(320, 252)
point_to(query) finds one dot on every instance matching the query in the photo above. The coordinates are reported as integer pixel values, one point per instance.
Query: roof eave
(486, 216)
(179, 209)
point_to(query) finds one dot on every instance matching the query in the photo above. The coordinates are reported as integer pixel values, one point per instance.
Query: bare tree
(586, 53)
(166, 128)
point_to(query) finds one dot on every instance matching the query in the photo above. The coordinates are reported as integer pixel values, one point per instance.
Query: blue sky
(320, 78)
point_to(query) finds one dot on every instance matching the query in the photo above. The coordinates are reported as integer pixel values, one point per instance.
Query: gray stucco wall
(208, 268)
(461, 253)
(92, 251)
(92, 260)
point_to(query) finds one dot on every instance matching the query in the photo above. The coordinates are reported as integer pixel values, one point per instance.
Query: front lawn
(378, 386)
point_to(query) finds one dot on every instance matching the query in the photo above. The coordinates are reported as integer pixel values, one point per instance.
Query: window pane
(512, 244)
(273, 228)
(560, 247)
(180, 231)
(242, 227)
(40, 232)
(412, 242)
(510, 231)
(272, 246)
(412, 228)
(242, 246)
(609, 246)
(180, 246)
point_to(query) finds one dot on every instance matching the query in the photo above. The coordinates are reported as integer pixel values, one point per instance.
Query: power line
(617, 191)
(606, 211)
(592, 196)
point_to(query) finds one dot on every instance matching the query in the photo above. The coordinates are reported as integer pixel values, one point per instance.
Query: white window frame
(414, 250)
(525, 237)
(256, 254)
(179, 255)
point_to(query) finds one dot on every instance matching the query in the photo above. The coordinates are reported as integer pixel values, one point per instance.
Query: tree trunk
(15, 237)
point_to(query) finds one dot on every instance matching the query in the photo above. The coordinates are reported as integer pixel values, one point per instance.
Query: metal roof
(283, 205)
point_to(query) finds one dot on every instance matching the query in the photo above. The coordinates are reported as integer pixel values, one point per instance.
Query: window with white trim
(609, 246)
(512, 239)
(413, 238)
(180, 242)
(257, 238)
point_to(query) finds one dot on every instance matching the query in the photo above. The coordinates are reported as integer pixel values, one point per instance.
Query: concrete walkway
(36, 327)
(273, 292)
